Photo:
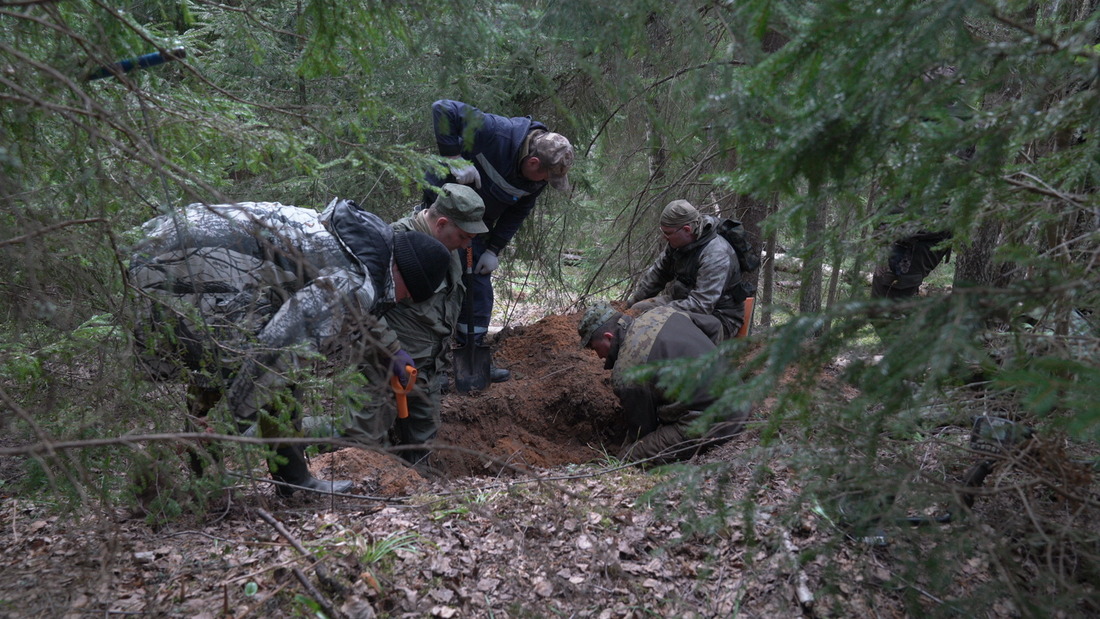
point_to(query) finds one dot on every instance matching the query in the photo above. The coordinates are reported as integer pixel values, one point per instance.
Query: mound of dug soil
(557, 409)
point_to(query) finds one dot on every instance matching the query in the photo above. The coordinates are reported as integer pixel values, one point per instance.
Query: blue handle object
(141, 62)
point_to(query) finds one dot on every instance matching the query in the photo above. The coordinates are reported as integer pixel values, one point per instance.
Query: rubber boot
(496, 374)
(200, 402)
(295, 471)
(499, 375)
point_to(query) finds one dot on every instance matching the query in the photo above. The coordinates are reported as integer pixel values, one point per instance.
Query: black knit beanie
(423, 262)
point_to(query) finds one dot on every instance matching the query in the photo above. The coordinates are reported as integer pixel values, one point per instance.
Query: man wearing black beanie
(425, 330)
(417, 257)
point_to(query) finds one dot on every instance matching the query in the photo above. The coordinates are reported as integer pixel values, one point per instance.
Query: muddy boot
(200, 401)
(499, 375)
(296, 473)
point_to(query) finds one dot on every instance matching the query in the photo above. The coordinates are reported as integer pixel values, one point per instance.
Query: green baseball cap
(594, 317)
(462, 205)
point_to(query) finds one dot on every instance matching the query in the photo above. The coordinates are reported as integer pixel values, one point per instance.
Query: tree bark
(974, 265)
(809, 294)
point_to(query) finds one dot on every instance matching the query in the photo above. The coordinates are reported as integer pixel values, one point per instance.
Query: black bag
(735, 235)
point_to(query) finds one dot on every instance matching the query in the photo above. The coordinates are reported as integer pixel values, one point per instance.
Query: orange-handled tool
(401, 390)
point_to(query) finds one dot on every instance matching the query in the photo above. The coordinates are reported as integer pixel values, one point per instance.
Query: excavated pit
(557, 409)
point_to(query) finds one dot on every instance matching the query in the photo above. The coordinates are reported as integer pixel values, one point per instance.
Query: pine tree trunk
(809, 294)
(974, 265)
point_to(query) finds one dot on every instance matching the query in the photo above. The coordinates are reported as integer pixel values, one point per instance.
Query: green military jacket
(423, 328)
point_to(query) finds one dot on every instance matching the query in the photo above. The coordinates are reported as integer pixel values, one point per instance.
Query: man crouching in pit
(660, 429)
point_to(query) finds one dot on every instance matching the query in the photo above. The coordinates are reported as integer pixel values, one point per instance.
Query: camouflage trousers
(201, 317)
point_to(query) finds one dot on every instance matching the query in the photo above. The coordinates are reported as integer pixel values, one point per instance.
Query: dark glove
(400, 360)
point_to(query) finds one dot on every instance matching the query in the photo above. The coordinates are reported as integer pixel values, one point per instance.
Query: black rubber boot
(296, 473)
(499, 375)
(200, 401)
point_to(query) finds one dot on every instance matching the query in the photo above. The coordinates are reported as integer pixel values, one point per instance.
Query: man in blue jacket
(509, 162)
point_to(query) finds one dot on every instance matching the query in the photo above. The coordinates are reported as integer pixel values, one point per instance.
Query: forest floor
(528, 518)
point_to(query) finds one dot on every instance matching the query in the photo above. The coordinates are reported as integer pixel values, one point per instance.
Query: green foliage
(378, 551)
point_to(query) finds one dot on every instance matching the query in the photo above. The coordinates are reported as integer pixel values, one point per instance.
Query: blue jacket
(493, 144)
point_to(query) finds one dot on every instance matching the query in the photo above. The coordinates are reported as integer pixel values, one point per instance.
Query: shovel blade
(472, 363)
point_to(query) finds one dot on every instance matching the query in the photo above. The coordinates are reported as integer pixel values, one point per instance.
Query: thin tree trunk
(767, 285)
(974, 265)
(809, 294)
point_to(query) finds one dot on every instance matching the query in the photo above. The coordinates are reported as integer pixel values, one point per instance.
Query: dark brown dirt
(557, 409)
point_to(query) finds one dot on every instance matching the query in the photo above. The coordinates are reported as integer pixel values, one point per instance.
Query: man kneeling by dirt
(660, 429)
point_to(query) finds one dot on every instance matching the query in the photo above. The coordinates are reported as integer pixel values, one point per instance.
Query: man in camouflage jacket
(238, 293)
(424, 328)
(698, 273)
(660, 429)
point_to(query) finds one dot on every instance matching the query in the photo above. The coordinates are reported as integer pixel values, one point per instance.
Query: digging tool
(401, 391)
(471, 360)
(140, 62)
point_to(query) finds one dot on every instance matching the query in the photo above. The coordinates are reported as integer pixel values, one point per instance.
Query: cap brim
(472, 227)
(561, 183)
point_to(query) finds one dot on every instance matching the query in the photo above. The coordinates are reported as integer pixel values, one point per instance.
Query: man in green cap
(660, 428)
(423, 328)
(698, 273)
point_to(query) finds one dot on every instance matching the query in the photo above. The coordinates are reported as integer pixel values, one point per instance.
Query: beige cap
(462, 205)
(680, 213)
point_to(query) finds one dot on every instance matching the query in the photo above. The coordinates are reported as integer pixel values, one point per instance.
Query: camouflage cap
(462, 205)
(594, 317)
(556, 154)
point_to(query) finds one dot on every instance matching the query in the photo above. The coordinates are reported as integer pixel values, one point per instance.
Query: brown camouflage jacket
(660, 334)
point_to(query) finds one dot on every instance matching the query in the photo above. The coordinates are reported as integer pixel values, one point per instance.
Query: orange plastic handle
(400, 390)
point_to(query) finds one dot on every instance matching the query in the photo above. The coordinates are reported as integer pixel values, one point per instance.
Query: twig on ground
(322, 572)
(801, 588)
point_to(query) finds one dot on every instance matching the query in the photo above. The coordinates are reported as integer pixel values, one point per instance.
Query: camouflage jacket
(701, 277)
(423, 328)
(660, 334)
(268, 281)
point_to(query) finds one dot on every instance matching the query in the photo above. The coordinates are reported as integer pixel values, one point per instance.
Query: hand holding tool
(401, 391)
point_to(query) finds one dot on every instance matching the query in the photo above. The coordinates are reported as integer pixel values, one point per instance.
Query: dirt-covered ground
(527, 519)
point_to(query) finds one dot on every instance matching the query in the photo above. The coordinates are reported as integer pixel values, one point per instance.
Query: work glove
(487, 264)
(464, 172)
(400, 360)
